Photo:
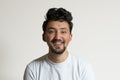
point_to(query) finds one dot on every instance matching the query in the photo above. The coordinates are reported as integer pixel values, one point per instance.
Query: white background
(96, 34)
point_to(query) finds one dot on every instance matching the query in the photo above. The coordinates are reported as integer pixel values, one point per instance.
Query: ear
(43, 36)
(70, 37)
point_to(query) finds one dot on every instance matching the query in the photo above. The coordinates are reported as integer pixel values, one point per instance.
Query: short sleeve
(28, 74)
(87, 73)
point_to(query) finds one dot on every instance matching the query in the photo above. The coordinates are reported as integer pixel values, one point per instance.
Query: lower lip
(57, 44)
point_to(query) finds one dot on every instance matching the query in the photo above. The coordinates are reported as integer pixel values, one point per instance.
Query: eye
(51, 31)
(63, 32)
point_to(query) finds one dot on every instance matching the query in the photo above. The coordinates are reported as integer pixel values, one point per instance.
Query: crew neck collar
(66, 61)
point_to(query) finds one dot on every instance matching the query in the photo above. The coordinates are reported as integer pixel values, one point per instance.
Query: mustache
(57, 40)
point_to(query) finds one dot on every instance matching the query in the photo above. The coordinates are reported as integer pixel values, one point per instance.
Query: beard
(57, 50)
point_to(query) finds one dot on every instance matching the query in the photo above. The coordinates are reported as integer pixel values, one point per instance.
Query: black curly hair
(58, 14)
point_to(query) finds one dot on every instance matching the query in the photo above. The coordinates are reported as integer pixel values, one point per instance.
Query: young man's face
(57, 36)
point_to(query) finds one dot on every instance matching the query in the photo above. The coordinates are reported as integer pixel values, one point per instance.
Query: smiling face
(57, 36)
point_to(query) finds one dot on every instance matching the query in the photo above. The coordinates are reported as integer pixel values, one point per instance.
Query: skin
(57, 36)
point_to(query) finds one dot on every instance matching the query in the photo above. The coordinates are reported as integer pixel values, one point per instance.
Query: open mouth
(57, 42)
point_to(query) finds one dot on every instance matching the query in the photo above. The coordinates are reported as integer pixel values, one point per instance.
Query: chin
(58, 51)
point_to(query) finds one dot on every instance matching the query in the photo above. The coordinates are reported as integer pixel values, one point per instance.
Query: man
(58, 64)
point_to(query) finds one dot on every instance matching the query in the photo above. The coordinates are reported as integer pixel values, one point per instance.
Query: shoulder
(80, 62)
(84, 68)
(37, 62)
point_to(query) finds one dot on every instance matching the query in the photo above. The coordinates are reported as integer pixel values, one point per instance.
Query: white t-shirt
(73, 68)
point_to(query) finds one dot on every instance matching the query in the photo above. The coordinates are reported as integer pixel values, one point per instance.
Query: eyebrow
(50, 28)
(60, 28)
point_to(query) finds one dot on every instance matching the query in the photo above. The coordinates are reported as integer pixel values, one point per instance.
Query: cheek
(67, 39)
(50, 37)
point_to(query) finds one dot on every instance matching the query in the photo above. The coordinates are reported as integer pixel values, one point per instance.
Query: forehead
(57, 25)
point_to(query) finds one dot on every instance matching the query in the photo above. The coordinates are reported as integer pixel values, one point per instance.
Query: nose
(57, 35)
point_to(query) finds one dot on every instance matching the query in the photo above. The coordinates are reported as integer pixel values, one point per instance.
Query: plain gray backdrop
(96, 34)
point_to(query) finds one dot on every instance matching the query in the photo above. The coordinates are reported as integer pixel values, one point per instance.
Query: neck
(57, 58)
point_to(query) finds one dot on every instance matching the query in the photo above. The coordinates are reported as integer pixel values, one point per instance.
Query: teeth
(58, 43)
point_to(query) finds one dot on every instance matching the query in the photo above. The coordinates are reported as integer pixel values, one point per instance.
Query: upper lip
(57, 41)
